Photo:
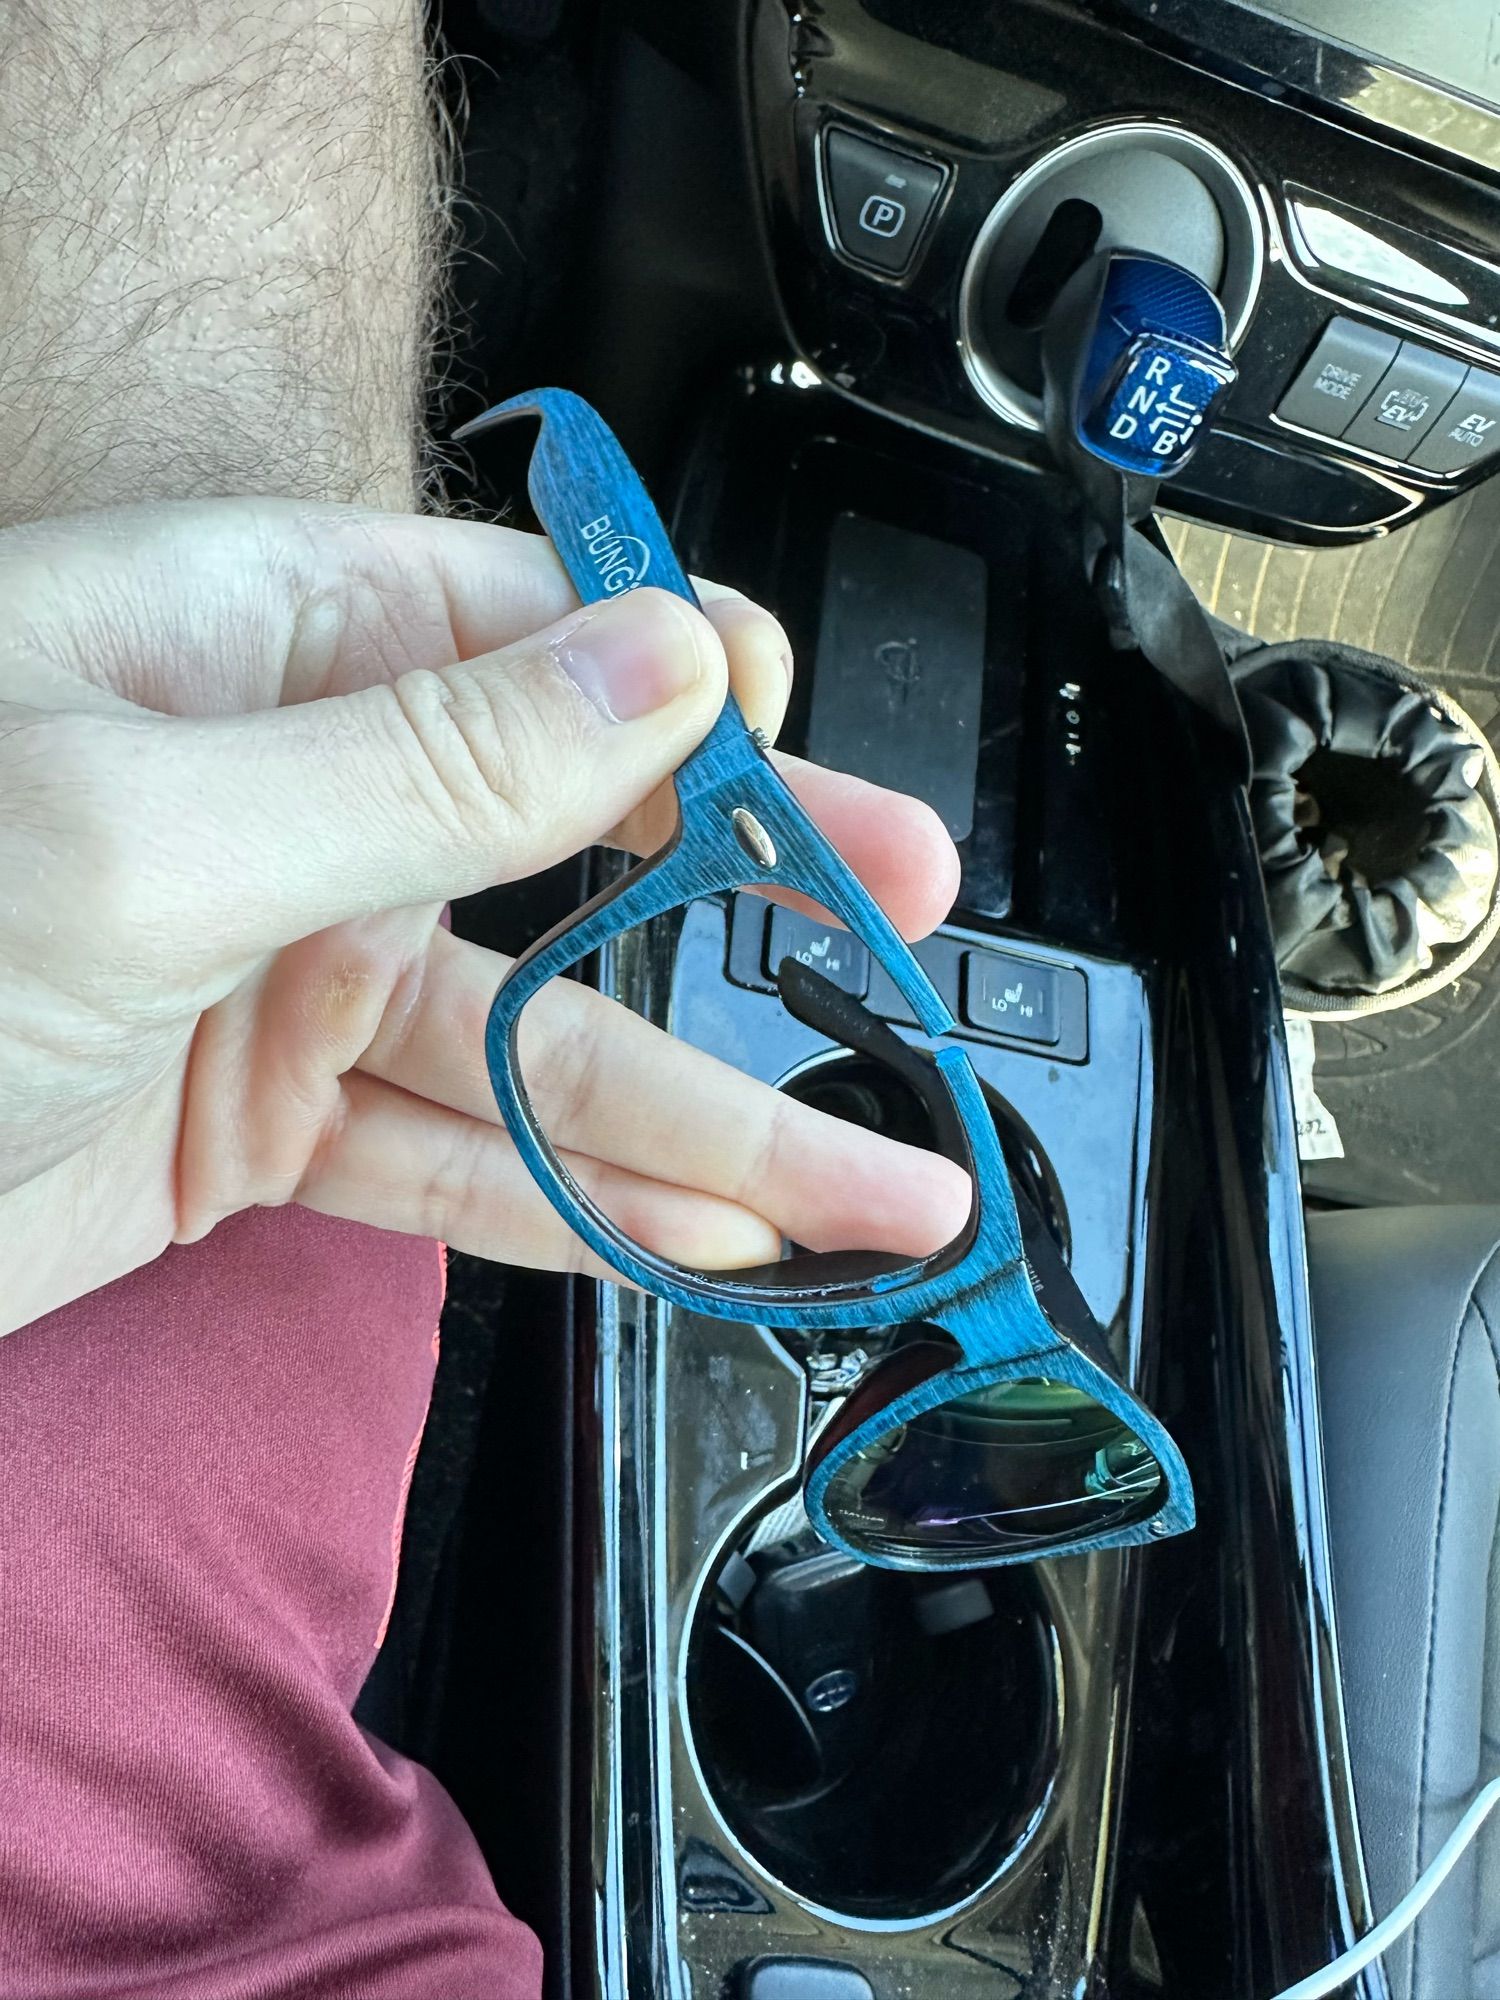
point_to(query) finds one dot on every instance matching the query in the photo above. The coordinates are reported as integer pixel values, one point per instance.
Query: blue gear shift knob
(1157, 363)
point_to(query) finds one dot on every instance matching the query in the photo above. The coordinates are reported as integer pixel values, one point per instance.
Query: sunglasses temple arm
(607, 533)
(611, 540)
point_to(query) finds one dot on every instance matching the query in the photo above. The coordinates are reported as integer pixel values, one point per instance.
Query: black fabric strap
(1170, 627)
(818, 1004)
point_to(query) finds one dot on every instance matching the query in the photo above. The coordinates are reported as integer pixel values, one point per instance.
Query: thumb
(441, 782)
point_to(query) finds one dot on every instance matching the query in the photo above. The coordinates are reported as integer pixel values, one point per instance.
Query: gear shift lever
(1134, 359)
(1143, 357)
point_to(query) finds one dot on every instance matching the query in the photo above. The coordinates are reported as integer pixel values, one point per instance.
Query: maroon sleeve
(205, 1469)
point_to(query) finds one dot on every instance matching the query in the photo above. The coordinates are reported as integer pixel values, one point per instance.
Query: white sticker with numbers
(1317, 1133)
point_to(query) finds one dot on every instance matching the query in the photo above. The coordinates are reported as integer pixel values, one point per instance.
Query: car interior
(810, 260)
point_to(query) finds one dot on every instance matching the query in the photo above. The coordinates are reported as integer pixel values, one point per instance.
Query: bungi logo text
(621, 561)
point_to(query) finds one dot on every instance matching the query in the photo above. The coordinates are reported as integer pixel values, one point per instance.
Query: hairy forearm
(218, 250)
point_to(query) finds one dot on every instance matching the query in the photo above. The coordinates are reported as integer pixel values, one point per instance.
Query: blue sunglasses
(995, 1428)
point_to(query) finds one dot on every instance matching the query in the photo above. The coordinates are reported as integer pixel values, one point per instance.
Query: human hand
(247, 751)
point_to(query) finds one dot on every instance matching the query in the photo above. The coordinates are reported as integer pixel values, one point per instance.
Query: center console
(1123, 1775)
(813, 1781)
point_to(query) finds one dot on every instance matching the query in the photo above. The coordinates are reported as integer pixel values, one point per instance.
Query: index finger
(606, 1084)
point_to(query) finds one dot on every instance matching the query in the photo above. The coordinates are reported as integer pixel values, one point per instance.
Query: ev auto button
(878, 200)
(1011, 996)
(1338, 376)
(1407, 401)
(1467, 431)
(840, 957)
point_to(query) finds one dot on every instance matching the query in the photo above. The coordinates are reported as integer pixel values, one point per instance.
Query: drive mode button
(1337, 376)
(878, 199)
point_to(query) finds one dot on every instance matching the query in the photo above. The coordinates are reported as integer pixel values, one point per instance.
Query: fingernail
(633, 655)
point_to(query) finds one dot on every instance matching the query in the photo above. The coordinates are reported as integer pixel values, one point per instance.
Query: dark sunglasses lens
(1007, 1470)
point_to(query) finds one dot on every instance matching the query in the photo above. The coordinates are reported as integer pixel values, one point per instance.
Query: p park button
(878, 200)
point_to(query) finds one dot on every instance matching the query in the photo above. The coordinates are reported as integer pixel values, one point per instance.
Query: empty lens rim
(843, 1296)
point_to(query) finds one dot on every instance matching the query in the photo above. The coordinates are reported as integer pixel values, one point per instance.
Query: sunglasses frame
(741, 827)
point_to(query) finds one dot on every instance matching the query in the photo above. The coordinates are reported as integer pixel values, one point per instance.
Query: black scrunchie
(1378, 846)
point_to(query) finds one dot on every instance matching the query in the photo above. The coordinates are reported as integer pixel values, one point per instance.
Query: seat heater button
(1468, 430)
(1011, 996)
(1337, 376)
(878, 199)
(1406, 402)
(840, 958)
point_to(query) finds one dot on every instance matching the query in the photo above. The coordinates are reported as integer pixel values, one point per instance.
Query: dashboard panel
(1456, 46)
(1429, 75)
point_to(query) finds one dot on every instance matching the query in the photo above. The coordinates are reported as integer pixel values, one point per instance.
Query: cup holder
(878, 1743)
(865, 1092)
